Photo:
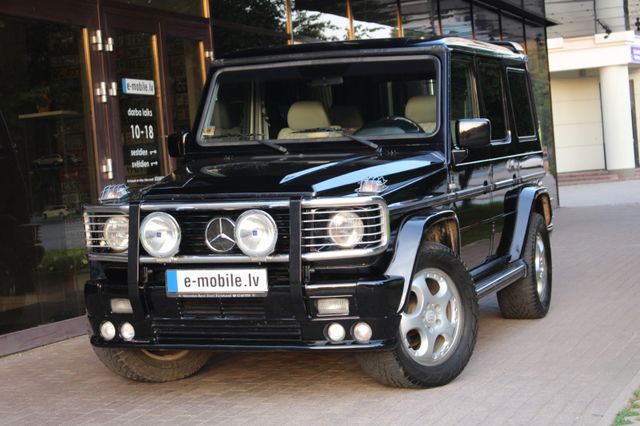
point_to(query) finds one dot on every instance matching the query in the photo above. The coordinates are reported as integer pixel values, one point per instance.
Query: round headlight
(116, 233)
(256, 233)
(160, 235)
(346, 229)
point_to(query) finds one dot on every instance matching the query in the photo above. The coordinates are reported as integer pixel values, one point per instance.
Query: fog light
(335, 332)
(333, 306)
(127, 332)
(107, 330)
(121, 306)
(362, 332)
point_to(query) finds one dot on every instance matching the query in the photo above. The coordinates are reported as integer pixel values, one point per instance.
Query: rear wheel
(152, 366)
(530, 297)
(438, 328)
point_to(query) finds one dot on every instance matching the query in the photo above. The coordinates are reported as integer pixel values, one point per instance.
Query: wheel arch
(532, 199)
(441, 227)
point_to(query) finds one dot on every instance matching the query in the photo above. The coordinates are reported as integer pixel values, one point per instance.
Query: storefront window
(455, 16)
(243, 24)
(374, 18)
(317, 20)
(487, 23)
(512, 29)
(47, 172)
(539, 73)
(138, 108)
(185, 7)
(419, 18)
(185, 81)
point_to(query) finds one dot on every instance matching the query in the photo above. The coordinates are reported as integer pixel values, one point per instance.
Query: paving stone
(564, 369)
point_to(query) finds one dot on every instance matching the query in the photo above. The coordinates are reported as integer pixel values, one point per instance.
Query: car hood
(323, 175)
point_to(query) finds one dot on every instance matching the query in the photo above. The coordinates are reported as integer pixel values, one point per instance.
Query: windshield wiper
(355, 138)
(275, 146)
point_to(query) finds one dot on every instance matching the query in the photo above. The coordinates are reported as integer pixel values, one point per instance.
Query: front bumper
(262, 323)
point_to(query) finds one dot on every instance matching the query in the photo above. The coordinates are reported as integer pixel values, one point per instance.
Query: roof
(370, 47)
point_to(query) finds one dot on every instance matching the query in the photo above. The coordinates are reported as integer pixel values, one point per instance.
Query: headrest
(307, 115)
(421, 109)
(348, 116)
(221, 118)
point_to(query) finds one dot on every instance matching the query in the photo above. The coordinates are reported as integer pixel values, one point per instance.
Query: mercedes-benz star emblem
(219, 234)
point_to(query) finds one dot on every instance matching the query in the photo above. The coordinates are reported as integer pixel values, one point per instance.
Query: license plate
(217, 282)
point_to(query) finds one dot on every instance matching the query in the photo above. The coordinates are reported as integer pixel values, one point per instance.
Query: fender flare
(408, 242)
(526, 201)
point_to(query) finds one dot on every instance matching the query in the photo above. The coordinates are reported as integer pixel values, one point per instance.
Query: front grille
(194, 331)
(193, 226)
(222, 307)
(316, 226)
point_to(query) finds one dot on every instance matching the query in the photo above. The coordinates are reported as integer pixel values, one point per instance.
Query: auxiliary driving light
(256, 233)
(107, 330)
(333, 306)
(121, 306)
(127, 332)
(362, 332)
(335, 332)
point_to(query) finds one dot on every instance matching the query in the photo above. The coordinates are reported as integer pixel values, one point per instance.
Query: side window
(492, 96)
(521, 102)
(462, 102)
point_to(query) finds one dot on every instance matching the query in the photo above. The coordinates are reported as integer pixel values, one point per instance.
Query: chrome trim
(550, 227)
(345, 254)
(122, 208)
(502, 279)
(341, 202)
(222, 205)
(108, 257)
(334, 286)
(213, 259)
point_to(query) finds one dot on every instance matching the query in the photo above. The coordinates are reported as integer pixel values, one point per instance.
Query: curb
(620, 401)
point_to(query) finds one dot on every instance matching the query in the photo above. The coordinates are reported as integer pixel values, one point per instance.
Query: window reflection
(317, 20)
(186, 7)
(185, 81)
(243, 24)
(46, 172)
(512, 29)
(487, 23)
(419, 17)
(455, 16)
(374, 18)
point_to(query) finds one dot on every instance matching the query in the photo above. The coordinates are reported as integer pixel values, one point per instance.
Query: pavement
(578, 365)
(598, 194)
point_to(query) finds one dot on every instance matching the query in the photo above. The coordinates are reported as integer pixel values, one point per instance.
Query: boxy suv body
(357, 196)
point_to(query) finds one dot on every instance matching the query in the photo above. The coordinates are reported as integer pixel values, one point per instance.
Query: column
(616, 117)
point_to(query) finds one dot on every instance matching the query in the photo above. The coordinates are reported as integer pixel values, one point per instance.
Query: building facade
(90, 89)
(594, 59)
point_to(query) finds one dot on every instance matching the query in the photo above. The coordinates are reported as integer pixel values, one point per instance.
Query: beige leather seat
(346, 116)
(222, 120)
(422, 110)
(307, 115)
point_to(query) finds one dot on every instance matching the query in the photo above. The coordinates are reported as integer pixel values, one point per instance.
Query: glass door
(156, 74)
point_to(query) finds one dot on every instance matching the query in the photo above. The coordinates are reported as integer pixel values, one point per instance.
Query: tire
(530, 297)
(157, 366)
(451, 323)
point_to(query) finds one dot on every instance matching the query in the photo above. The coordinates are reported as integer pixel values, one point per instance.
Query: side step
(500, 280)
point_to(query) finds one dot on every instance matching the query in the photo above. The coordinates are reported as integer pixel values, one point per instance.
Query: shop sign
(135, 86)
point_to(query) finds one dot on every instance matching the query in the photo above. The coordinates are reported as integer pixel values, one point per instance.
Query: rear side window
(521, 101)
(462, 102)
(492, 95)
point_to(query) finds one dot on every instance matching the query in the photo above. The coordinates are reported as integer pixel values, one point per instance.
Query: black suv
(356, 196)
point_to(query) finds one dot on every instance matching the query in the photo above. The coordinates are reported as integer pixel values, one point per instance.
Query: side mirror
(176, 143)
(473, 133)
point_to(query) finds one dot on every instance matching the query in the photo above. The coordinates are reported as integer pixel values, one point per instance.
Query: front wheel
(152, 366)
(438, 327)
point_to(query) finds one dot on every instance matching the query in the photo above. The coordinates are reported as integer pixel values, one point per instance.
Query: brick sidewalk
(565, 369)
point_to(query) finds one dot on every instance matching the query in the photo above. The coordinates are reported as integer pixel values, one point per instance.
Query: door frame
(159, 24)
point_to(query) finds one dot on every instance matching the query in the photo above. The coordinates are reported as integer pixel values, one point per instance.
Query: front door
(156, 73)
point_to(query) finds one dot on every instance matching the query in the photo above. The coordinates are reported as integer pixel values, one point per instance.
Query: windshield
(378, 98)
